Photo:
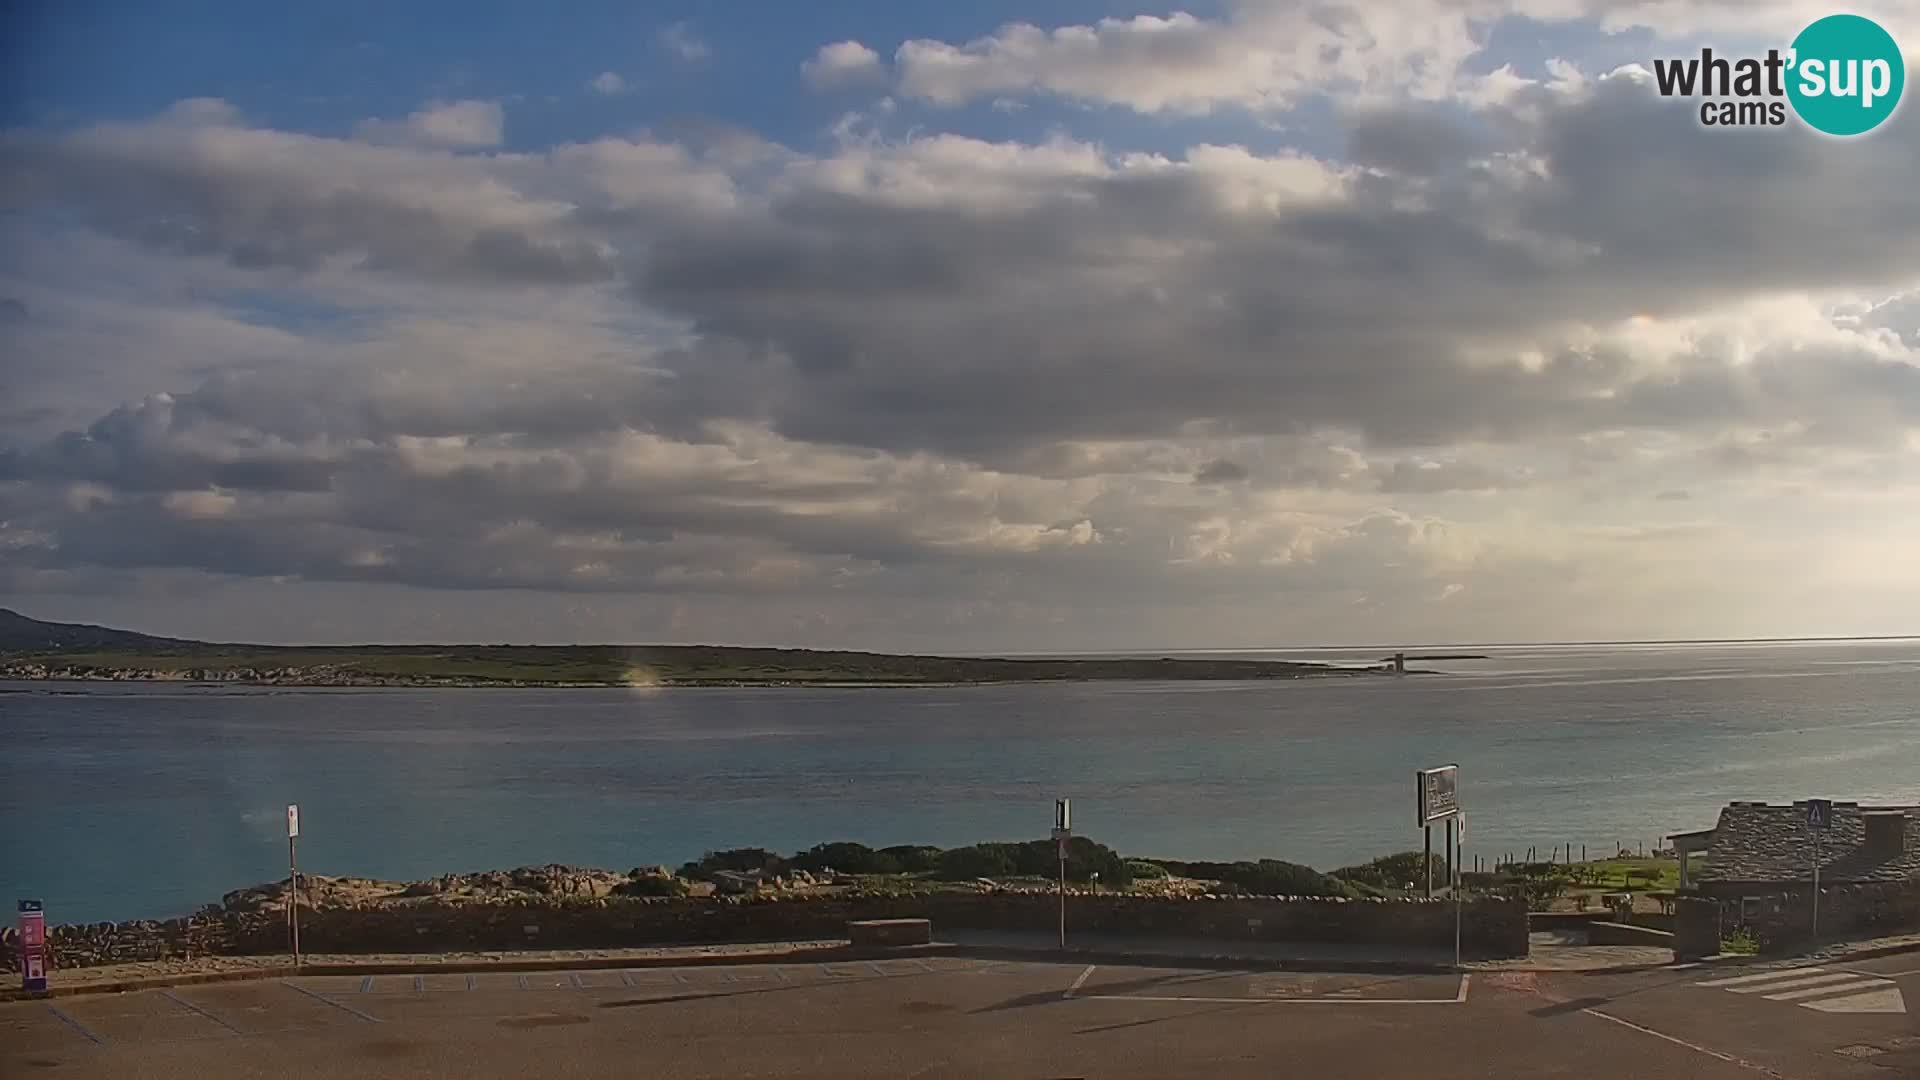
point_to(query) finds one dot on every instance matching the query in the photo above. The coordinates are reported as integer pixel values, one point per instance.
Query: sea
(122, 800)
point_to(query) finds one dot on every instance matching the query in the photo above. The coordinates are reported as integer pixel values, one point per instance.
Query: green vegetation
(1142, 870)
(32, 649)
(1739, 942)
(1266, 877)
(1629, 873)
(1396, 873)
(646, 884)
(1034, 858)
(606, 665)
(847, 858)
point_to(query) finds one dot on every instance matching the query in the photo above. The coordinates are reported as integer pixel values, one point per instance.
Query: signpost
(1062, 832)
(1437, 798)
(1819, 819)
(33, 947)
(293, 880)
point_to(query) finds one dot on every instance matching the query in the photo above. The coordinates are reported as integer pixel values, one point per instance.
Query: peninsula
(33, 650)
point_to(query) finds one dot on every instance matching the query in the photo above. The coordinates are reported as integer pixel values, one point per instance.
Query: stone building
(1760, 848)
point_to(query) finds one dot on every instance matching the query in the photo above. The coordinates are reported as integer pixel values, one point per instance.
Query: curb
(830, 954)
(1220, 961)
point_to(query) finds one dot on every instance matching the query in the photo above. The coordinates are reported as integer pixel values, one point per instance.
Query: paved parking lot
(953, 1017)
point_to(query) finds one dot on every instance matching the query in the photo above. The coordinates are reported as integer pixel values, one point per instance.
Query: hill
(19, 634)
(35, 650)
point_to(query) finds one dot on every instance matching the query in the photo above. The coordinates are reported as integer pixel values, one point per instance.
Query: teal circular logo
(1846, 75)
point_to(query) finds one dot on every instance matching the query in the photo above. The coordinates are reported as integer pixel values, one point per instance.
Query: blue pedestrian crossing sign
(1819, 813)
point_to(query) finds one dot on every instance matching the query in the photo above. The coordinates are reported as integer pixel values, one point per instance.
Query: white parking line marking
(342, 1006)
(1078, 983)
(185, 1004)
(75, 1025)
(1459, 997)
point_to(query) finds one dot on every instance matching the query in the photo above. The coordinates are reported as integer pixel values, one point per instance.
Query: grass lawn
(1638, 874)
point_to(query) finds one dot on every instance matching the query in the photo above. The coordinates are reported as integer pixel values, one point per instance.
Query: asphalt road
(949, 1017)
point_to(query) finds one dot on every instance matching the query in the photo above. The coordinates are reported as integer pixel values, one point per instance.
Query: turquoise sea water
(121, 801)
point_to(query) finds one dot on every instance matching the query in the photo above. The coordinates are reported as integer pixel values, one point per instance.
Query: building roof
(1763, 842)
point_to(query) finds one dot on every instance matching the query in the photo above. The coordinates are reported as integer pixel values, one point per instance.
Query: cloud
(681, 40)
(949, 389)
(608, 83)
(1272, 55)
(459, 125)
(1220, 471)
(843, 63)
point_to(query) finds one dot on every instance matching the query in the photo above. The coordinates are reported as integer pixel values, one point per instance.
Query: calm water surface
(123, 801)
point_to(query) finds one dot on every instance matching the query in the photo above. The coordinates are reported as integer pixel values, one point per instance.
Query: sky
(957, 327)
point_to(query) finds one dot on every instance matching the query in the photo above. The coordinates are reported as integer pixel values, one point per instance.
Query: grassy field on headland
(35, 650)
(611, 665)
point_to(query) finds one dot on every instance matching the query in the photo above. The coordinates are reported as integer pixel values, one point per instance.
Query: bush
(1142, 870)
(744, 860)
(1268, 877)
(847, 857)
(652, 885)
(913, 858)
(975, 861)
(1035, 858)
(1396, 871)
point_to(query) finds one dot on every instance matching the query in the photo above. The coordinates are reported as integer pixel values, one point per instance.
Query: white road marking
(1079, 982)
(1763, 976)
(1821, 989)
(1873, 1001)
(1459, 997)
(1851, 986)
(1695, 1047)
(1785, 984)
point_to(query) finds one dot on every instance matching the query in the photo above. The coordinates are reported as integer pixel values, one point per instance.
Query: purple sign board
(33, 947)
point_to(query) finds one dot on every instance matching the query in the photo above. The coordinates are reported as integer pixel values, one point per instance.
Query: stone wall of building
(1489, 927)
(1781, 920)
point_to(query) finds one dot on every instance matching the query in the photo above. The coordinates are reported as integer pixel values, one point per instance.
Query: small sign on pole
(1819, 819)
(33, 947)
(293, 880)
(1062, 832)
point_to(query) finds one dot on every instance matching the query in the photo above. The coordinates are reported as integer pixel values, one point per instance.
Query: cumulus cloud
(459, 125)
(1220, 471)
(982, 391)
(608, 83)
(680, 40)
(843, 63)
(1267, 55)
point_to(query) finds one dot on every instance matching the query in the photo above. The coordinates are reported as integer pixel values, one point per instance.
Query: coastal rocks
(511, 920)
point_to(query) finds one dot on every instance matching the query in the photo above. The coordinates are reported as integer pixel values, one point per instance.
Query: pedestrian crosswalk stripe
(1826, 989)
(1764, 976)
(1823, 989)
(1875, 1001)
(1798, 980)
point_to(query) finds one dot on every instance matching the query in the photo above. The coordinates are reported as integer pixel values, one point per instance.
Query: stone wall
(1780, 920)
(1489, 928)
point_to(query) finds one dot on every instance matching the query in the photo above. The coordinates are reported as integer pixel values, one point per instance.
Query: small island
(33, 650)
